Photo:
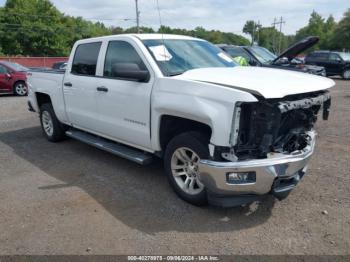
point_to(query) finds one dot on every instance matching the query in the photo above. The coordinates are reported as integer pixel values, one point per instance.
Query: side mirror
(130, 71)
(8, 76)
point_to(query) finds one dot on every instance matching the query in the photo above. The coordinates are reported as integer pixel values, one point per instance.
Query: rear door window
(322, 56)
(85, 59)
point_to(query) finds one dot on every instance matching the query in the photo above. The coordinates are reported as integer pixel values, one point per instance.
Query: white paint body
(205, 95)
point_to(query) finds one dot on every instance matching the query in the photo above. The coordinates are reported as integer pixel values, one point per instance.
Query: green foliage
(36, 27)
(341, 36)
(272, 39)
(251, 28)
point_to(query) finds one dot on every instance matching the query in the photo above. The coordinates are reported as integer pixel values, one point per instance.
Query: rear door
(80, 86)
(124, 104)
(5, 81)
(320, 59)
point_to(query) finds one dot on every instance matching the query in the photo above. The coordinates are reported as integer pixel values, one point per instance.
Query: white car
(228, 134)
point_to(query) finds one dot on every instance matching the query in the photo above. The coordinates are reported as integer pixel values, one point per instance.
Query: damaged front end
(277, 126)
(272, 142)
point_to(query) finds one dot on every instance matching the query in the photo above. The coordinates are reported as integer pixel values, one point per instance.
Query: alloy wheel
(47, 123)
(184, 167)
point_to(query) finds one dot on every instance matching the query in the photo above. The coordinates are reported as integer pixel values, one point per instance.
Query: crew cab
(13, 78)
(228, 135)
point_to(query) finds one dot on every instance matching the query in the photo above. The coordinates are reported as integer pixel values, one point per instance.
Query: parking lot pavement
(69, 198)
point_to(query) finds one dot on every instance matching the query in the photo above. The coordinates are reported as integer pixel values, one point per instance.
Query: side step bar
(129, 153)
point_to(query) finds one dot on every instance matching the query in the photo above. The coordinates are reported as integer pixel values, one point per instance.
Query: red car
(13, 79)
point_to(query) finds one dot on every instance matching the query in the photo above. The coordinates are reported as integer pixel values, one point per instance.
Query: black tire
(346, 74)
(58, 132)
(198, 144)
(20, 88)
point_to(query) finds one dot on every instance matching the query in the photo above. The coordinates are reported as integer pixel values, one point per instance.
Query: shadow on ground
(138, 196)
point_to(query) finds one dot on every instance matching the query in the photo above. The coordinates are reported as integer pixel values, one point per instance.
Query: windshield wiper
(176, 73)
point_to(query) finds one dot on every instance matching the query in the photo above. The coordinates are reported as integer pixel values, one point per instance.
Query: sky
(224, 15)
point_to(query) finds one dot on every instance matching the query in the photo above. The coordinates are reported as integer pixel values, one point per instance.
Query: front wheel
(346, 74)
(20, 89)
(181, 159)
(51, 126)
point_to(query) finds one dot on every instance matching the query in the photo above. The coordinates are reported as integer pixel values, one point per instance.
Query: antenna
(161, 28)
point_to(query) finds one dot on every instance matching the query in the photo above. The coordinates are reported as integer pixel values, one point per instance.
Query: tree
(37, 28)
(341, 36)
(317, 26)
(251, 28)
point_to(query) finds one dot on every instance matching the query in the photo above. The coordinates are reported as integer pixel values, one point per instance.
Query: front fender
(206, 103)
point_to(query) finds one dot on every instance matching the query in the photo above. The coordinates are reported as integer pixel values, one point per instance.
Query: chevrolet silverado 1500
(228, 135)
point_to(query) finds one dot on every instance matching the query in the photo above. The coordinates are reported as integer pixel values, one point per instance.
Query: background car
(260, 56)
(335, 63)
(60, 65)
(13, 78)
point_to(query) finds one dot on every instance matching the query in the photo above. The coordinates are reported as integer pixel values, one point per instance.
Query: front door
(124, 104)
(80, 85)
(335, 64)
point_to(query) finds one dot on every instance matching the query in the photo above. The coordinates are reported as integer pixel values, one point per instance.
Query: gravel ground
(70, 198)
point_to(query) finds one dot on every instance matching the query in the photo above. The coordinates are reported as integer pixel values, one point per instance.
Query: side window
(322, 56)
(334, 57)
(121, 52)
(85, 59)
(3, 70)
(234, 52)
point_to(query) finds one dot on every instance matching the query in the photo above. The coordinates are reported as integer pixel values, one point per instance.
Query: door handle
(68, 84)
(102, 89)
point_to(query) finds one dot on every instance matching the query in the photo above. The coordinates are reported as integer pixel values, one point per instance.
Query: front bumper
(278, 174)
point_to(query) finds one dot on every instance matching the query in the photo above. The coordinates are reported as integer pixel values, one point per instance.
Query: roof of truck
(146, 37)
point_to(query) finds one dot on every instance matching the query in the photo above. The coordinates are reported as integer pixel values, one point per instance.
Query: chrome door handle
(102, 89)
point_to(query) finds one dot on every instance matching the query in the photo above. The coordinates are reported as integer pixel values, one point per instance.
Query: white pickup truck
(228, 135)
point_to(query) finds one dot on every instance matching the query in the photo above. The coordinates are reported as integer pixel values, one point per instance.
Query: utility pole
(137, 16)
(253, 33)
(280, 23)
(274, 35)
(258, 27)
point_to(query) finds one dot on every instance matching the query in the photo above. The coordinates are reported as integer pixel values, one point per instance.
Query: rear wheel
(182, 156)
(52, 128)
(346, 74)
(20, 89)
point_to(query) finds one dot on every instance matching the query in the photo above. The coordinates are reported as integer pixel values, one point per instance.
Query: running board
(129, 153)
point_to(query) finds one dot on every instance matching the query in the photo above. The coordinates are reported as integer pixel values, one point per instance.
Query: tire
(346, 74)
(20, 89)
(52, 128)
(192, 191)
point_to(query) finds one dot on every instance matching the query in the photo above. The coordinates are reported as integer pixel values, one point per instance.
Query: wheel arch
(42, 98)
(171, 126)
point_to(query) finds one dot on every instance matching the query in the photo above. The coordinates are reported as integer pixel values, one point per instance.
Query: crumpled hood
(266, 82)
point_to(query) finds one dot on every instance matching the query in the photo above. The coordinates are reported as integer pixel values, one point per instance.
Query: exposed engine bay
(275, 125)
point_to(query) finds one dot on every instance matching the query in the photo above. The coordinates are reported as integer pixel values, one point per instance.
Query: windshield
(262, 54)
(15, 66)
(175, 56)
(345, 56)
